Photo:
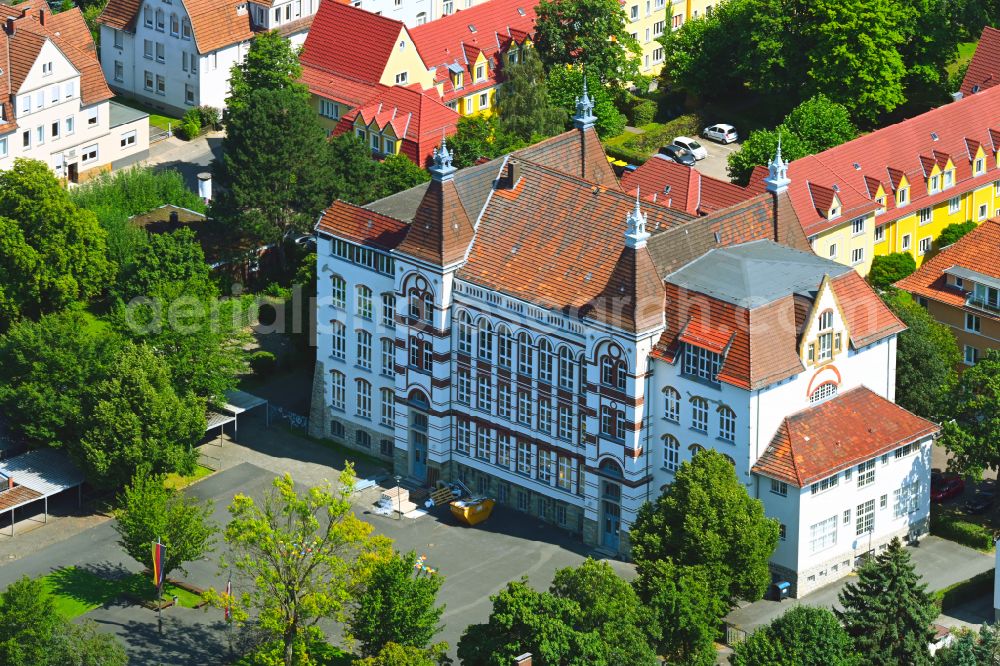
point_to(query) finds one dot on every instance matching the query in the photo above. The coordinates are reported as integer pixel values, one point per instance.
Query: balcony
(980, 303)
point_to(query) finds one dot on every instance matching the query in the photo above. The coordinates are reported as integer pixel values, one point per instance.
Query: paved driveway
(715, 164)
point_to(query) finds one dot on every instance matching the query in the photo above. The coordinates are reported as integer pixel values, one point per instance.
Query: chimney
(512, 175)
(523, 660)
(9, 28)
(174, 217)
(205, 186)
(41, 16)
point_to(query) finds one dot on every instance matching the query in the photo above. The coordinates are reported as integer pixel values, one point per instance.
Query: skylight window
(520, 10)
(472, 28)
(934, 136)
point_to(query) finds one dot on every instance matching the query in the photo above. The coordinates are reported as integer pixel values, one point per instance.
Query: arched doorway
(419, 406)
(611, 504)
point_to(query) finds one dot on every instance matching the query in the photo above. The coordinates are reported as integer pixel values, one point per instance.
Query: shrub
(889, 268)
(263, 363)
(966, 590)
(953, 232)
(209, 117)
(948, 525)
(642, 112)
(191, 124)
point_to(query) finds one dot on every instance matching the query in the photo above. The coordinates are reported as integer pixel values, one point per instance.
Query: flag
(229, 599)
(159, 553)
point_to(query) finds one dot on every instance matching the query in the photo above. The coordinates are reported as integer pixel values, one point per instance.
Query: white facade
(55, 127)
(414, 12)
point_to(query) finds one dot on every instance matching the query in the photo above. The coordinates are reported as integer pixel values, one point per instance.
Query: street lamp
(399, 504)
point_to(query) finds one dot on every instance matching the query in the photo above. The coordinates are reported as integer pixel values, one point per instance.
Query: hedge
(638, 148)
(950, 526)
(966, 590)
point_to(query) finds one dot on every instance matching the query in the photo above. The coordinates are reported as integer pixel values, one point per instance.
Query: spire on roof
(635, 234)
(584, 118)
(441, 168)
(777, 172)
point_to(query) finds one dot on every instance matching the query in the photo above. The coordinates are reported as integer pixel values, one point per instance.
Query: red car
(946, 488)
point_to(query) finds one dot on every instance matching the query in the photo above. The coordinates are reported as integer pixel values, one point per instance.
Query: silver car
(721, 132)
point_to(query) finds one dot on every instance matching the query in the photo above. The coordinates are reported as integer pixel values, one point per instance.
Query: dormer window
(241, 9)
(456, 79)
(902, 196)
(881, 205)
(935, 184)
(826, 341)
(701, 363)
(401, 79)
(480, 72)
(834, 212)
(949, 178)
(980, 166)
(826, 320)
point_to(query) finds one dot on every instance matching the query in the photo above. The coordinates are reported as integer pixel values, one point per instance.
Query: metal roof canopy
(215, 419)
(45, 472)
(238, 402)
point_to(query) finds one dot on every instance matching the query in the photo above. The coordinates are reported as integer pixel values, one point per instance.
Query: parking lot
(715, 164)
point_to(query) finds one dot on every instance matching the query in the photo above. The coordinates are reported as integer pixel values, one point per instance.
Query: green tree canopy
(53, 253)
(705, 517)
(523, 100)
(298, 558)
(820, 123)
(401, 655)
(594, 32)
(972, 649)
(396, 173)
(271, 64)
(887, 611)
(565, 85)
(164, 260)
(397, 606)
(150, 511)
(926, 357)
(953, 232)
(974, 437)
(803, 636)
(480, 136)
(758, 149)
(887, 269)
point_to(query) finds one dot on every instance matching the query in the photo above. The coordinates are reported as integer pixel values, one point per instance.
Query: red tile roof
(868, 319)
(984, 68)
(908, 147)
(336, 27)
(837, 434)
(441, 231)
(690, 191)
(978, 250)
(214, 23)
(120, 14)
(362, 226)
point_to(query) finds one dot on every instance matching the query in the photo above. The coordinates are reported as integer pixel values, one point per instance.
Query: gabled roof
(441, 231)
(120, 14)
(844, 431)
(984, 68)
(978, 250)
(867, 317)
(214, 23)
(910, 148)
(336, 27)
(361, 226)
(689, 190)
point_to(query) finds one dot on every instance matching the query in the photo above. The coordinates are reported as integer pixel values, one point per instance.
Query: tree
(820, 123)
(887, 269)
(888, 612)
(396, 606)
(951, 233)
(298, 557)
(686, 608)
(165, 259)
(523, 100)
(397, 173)
(974, 437)
(931, 35)
(565, 85)
(592, 32)
(400, 655)
(32, 632)
(271, 64)
(926, 357)
(705, 517)
(480, 137)
(972, 649)
(759, 148)
(53, 252)
(803, 636)
(355, 173)
(151, 511)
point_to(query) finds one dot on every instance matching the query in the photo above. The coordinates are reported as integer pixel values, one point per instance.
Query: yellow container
(472, 511)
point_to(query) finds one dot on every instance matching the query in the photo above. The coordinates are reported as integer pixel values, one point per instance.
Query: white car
(696, 148)
(721, 132)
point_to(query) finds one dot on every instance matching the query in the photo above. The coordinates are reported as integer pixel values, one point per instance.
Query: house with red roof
(661, 180)
(984, 68)
(960, 287)
(895, 189)
(56, 106)
(530, 328)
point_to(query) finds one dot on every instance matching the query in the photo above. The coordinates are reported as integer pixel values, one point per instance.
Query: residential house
(681, 11)
(528, 327)
(414, 12)
(960, 287)
(646, 21)
(177, 54)
(465, 50)
(895, 189)
(984, 68)
(57, 106)
(661, 180)
(387, 97)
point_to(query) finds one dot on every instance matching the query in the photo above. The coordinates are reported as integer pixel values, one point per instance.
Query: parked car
(946, 488)
(678, 154)
(721, 132)
(696, 148)
(980, 503)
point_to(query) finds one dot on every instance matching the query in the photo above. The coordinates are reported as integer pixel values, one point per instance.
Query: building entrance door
(73, 173)
(612, 511)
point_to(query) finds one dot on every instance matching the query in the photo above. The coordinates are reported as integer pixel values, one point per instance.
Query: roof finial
(584, 117)
(635, 233)
(777, 171)
(441, 167)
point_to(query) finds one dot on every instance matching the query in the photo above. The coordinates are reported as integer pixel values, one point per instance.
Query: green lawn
(78, 591)
(178, 481)
(965, 51)
(156, 118)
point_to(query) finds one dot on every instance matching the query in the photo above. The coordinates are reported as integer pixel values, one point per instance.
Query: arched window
(485, 346)
(338, 292)
(364, 358)
(671, 404)
(566, 369)
(822, 392)
(731, 461)
(699, 414)
(464, 333)
(364, 301)
(388, 357)
(727, 424)
(611, 467)
(338, 386)
(613, 368)
(544, 361)
(524, 360)
(185, 28)
(505, 347)
(388, 405)
(613, 422)
(364, 398)
(160, 19)
(339, 347)
(389, 309)
(671, 453)
(175, 25)
(695, 449)
(421, 300)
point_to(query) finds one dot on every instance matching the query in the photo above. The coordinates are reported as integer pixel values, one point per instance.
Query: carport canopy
(237, 402)
(36, 475)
